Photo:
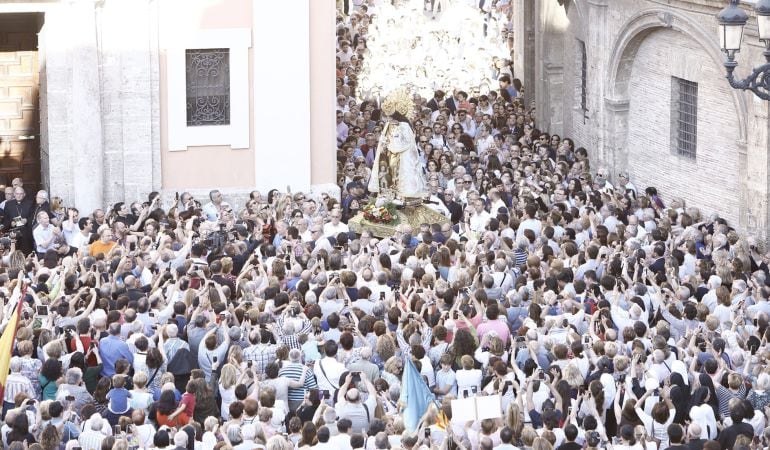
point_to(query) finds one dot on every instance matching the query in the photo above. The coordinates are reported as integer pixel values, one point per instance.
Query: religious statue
(397, 166)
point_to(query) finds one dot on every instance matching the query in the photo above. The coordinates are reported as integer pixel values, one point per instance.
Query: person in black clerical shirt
(18, 215)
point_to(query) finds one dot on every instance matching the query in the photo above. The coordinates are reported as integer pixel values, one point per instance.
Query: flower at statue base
(380, 213)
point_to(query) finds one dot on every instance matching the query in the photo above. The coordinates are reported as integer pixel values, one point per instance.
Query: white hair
(180, 439)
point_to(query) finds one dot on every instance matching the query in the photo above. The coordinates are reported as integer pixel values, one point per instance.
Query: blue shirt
(118, 398)
(111, 349)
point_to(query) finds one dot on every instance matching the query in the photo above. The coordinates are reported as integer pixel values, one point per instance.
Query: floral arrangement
(385, 213)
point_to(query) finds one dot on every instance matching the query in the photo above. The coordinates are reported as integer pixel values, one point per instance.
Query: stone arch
(634, 32)
(627, 48)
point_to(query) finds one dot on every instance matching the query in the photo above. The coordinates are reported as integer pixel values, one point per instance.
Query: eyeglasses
(423, 142)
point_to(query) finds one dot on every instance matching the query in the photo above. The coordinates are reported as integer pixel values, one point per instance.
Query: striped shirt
(91, 440)
(15, 384)
(293, 371)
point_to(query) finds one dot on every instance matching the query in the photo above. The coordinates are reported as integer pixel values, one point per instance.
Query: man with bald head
(349, 405)
(694, 441)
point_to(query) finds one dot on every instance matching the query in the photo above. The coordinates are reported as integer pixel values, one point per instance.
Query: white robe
(411, 177)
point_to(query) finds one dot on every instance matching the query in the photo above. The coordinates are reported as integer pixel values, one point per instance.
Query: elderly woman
(394, 368)
(759, 396)
(30, 367)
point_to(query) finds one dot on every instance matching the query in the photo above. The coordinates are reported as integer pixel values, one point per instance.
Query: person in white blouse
(468, 378)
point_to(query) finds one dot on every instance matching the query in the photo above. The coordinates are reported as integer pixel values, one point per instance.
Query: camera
(215, 240)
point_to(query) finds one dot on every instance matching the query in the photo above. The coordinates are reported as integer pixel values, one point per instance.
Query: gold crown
(399, 101)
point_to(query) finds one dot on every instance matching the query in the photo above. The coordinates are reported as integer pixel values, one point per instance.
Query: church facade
(107, 100)
(641, 85)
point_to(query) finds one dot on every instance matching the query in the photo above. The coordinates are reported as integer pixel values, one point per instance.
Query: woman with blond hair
(141, 397)
(543, 442)
(514, 419)
(394, 367)
(228, 380)
(468, 377)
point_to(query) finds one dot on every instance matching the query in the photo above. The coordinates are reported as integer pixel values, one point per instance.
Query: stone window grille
(684, 117)
(208, 86)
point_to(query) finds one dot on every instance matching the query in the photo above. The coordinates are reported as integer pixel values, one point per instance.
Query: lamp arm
(757, 82)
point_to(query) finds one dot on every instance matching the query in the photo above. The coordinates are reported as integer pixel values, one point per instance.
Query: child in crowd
(118, 395)
(186, 406)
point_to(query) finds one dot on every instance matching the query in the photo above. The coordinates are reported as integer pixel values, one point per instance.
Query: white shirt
(479, 221)
(529, 224)
(341, 441)
(466, 380)
(331, 230)
(328, 372)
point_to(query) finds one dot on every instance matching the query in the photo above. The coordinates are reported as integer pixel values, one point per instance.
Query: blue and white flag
(415, 395)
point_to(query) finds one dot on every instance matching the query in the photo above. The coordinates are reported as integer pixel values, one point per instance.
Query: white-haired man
(73, 385)
(294, 370)
(173, 344)
(92, 437)
(365, 365)
(15, 384)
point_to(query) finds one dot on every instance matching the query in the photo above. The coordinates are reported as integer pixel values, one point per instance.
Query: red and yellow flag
(7, 339)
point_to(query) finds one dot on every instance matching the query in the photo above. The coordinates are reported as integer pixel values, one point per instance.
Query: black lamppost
(731, 20)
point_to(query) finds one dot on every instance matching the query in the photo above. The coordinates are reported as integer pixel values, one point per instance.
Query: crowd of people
(599, 315)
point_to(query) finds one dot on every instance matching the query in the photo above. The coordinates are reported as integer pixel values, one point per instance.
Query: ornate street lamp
(731, 20)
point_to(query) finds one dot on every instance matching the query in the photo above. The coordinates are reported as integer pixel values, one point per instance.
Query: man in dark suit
(675, 437)
(451, 103)
(693, 433)
(570, 434)
(659, 262)
(728, 435)
(438, 97)
(454, 207)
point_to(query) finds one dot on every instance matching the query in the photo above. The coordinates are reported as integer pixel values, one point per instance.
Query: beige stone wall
(104, 79)
(634, 47)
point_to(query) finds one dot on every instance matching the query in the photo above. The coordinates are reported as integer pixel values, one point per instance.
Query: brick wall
(710, 182)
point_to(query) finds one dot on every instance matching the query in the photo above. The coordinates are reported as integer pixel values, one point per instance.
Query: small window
(208, 87)
(583, 76)
(684, 117)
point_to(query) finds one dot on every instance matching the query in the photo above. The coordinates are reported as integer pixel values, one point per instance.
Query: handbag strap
(326, 376)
